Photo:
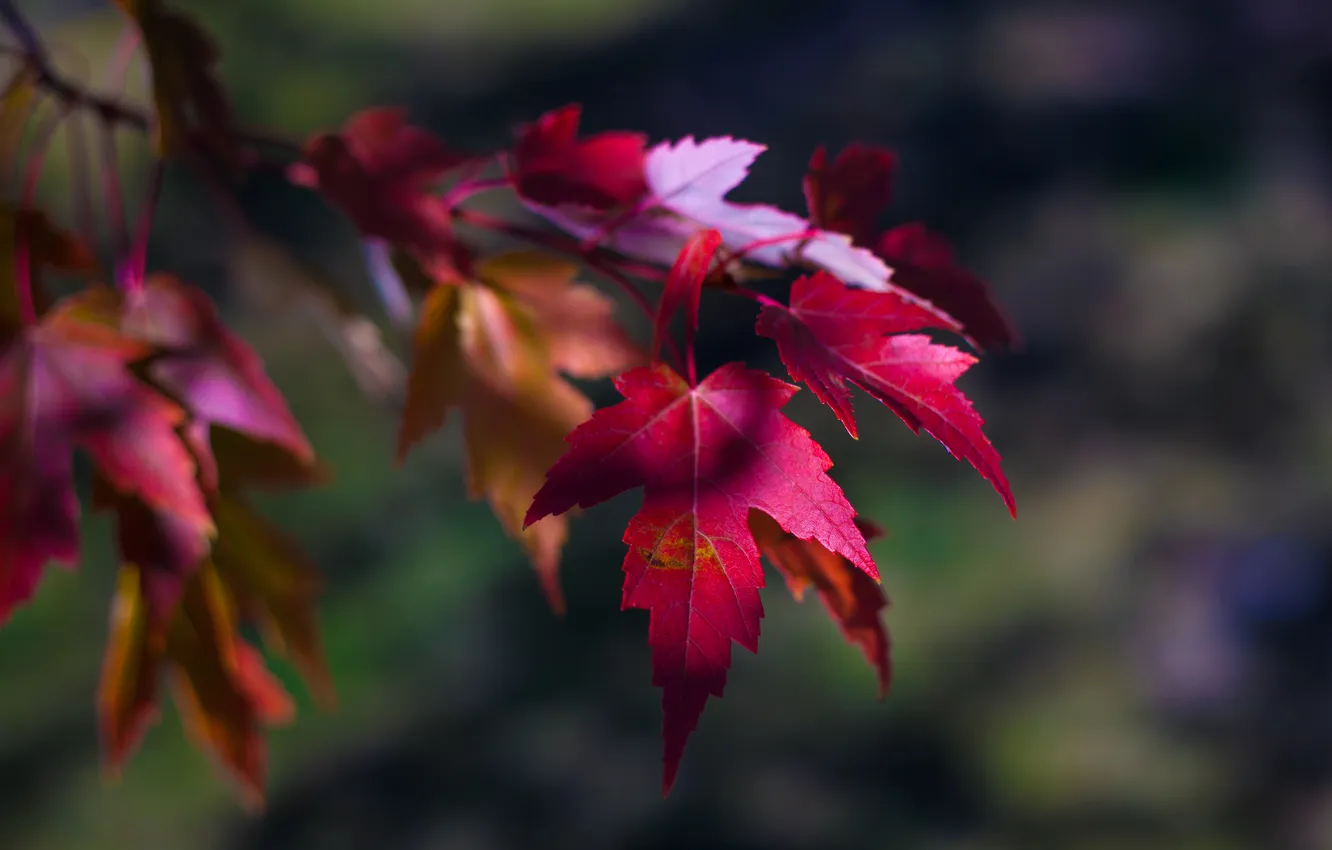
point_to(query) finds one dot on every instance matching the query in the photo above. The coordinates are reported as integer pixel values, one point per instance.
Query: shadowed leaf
(223, 691)
(849, 194)
(188, 100)
(852, 598)
(552, 166)
(378, 170)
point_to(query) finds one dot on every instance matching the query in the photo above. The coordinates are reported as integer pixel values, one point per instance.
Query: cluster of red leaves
(725, 475)
(180, 420)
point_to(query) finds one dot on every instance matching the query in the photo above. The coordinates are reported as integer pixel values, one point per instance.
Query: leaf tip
(549, 577)
(670, 770)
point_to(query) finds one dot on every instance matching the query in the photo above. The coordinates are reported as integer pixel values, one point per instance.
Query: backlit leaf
(491, 348)
(688, 182)
(200, 362)
(704, 456)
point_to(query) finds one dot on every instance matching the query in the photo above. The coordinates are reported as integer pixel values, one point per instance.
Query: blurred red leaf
(552, 166)
(165, 550)
(66, 383)
(923, 263)
(379, 170)
(848, 194)
(210, 370)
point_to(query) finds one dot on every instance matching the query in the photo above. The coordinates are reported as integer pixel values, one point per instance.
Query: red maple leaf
(551, 165)
(832, 334)
(65, 383)
(379, 170)
(849, 194)
(923, 264)
(704, 457)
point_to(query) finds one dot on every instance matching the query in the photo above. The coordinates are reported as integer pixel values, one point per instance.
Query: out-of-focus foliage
(1139, 663)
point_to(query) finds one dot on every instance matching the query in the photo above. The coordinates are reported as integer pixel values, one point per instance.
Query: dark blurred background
(1143, 660)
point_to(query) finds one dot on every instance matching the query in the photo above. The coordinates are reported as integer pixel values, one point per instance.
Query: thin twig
(109, 109)
(114, 196)
(135, 267)
(76, 139)
(54, 83)
(24, 284)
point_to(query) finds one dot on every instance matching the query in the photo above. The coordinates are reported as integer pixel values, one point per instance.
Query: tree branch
(111, 110)
(48, 78)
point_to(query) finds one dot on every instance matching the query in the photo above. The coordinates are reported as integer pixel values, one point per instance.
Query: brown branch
(111, 110)
(64, 90)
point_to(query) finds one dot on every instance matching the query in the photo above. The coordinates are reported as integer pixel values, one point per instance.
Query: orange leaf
(576, 322)
(275, 585)
(221, 687)
(477, 349)
(127, 696)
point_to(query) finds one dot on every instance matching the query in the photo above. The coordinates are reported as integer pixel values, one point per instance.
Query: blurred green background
(1143, 660)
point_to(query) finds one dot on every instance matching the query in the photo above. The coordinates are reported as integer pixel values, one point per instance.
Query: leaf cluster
(136, 370)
